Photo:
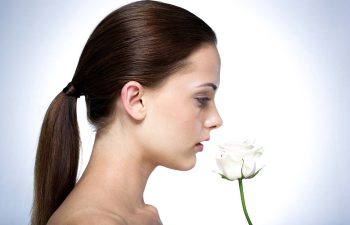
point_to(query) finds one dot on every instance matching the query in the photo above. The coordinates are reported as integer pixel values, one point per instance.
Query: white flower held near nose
(239, 160)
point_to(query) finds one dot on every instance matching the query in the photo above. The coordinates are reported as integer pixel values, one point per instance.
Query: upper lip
(207, 139)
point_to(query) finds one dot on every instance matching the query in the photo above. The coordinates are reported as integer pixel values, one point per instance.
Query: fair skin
(161, 126)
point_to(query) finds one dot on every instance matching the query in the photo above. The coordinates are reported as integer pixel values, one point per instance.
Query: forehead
(202, 66)
(205, 58)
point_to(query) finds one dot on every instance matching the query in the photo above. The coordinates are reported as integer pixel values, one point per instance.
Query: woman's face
(182, 112)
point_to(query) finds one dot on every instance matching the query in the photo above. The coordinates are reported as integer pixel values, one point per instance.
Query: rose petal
(249, 167)
(230, 167)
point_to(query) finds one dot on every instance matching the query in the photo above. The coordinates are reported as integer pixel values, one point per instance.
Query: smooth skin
(160, 126)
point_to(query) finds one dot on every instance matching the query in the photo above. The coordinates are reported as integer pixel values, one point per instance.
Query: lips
(199, 147)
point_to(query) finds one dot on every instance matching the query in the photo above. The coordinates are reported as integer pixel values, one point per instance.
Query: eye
(202, 101)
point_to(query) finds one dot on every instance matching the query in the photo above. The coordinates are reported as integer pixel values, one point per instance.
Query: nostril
(217, 124)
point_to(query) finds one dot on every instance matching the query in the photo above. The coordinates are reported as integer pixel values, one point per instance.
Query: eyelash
(202, 101)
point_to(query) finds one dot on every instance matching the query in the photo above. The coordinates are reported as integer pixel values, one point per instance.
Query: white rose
(237, 159)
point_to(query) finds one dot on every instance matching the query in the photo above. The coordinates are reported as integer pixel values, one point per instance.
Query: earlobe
(131, 97)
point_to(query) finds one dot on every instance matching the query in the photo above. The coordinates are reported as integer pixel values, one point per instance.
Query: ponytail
(56, 159)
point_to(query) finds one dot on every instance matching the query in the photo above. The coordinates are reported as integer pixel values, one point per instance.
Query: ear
(131, 97)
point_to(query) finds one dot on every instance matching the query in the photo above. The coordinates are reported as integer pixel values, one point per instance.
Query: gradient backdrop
(285, 81)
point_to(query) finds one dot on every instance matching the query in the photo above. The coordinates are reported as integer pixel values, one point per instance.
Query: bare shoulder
(91, 216)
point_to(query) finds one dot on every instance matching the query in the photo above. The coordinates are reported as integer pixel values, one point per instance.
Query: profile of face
(181, 112)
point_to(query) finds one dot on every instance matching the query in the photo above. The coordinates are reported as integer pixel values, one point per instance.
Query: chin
(185, 165)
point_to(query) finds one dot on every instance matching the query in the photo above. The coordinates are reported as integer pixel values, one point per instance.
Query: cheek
(173, 131)
(184, 120)
(190, 124)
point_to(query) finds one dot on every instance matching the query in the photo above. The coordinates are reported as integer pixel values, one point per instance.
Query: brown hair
(144, 41)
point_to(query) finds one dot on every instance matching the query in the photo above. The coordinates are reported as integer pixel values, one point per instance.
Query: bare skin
(153, 127)
(105, 196)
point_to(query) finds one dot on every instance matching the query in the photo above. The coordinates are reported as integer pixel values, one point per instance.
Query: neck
(119, 171)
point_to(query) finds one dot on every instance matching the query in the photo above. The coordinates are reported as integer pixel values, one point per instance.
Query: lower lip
(199, 147)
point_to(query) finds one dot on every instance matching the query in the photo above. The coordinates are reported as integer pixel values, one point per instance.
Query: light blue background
(42, 40)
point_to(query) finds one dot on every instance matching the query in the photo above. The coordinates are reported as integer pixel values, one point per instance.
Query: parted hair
(144, 41)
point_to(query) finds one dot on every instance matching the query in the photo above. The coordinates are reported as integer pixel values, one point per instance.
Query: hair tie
(70, 90)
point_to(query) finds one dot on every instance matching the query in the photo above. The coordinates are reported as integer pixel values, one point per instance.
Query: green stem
(243, 201)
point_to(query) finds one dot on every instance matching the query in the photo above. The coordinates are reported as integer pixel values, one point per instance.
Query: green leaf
(256, 173)
(223, 176)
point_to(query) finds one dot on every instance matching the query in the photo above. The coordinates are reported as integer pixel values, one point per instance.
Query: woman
(148, 72)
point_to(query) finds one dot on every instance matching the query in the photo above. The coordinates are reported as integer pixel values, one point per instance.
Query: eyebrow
(209, 85)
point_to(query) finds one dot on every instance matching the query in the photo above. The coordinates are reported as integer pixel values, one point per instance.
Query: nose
(213, 120)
